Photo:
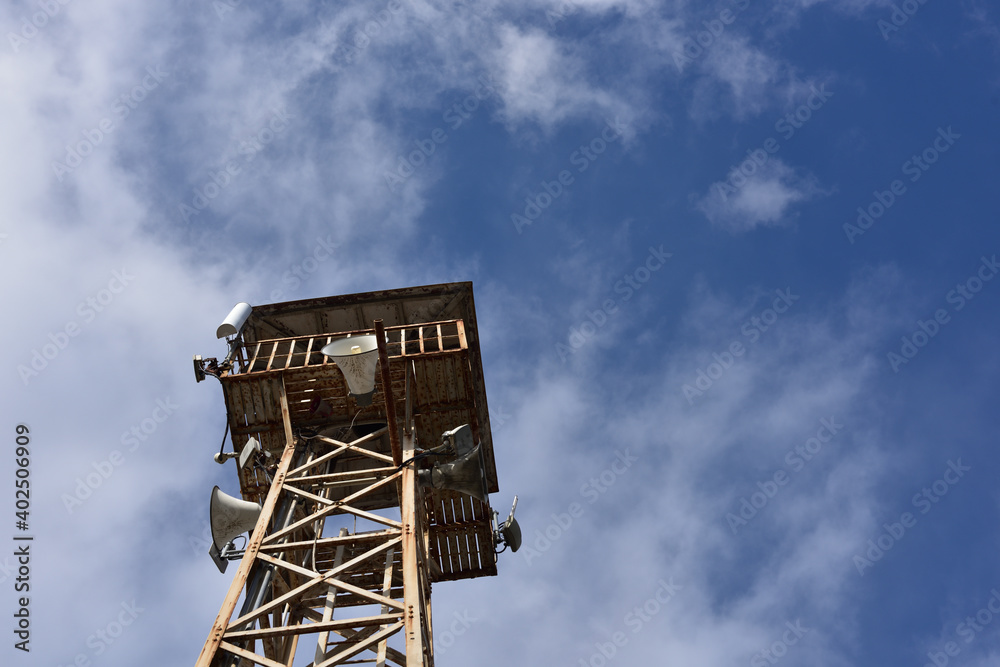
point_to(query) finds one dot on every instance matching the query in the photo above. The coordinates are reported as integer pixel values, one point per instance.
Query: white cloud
(741, 72)
(324, 176)
(762, 199)
(665, 516)
(545, 82)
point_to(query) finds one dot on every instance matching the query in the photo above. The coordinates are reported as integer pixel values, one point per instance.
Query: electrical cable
(222, 447)
(419, 456)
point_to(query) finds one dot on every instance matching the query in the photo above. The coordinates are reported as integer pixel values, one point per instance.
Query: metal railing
(406, 341)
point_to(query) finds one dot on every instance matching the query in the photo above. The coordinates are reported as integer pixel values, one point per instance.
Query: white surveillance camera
(233, 324)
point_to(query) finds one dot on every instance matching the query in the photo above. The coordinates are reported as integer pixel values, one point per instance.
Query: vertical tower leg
(331, 600)
(414, 598)
(214, 641)
(386, 589)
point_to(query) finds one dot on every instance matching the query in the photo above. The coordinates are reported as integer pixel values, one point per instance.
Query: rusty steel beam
(390, 404)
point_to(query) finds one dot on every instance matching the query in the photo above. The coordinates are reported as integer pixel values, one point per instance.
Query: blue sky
(734, 269)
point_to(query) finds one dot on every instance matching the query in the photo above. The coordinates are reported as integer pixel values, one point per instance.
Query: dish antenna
(509, 532)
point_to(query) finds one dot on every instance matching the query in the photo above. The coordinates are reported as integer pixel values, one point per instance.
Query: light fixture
(222, 457)
(251, 448)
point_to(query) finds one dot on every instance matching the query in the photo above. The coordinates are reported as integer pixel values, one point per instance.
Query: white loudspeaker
(230, 517)
(357, 358)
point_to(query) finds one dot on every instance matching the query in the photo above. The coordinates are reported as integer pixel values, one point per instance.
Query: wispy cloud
(765, 198)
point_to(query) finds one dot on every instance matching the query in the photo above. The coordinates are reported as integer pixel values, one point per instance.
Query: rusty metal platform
(434, 359)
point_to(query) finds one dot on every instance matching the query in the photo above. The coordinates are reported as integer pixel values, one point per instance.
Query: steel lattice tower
(340, 564)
